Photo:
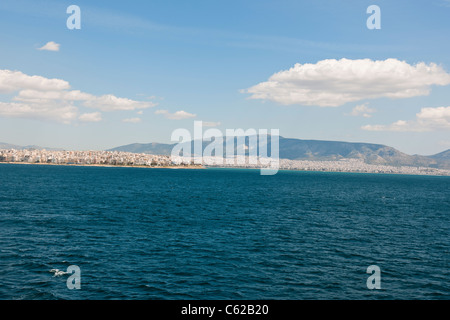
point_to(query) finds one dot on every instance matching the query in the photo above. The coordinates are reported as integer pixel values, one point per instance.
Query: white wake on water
(58, 273)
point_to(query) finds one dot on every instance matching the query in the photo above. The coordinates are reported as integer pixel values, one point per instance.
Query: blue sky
(173, 62)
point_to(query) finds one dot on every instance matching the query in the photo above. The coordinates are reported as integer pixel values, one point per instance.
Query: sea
(207, 234)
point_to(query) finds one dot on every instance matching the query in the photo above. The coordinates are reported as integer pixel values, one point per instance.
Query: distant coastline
(190, 167)
(107, 165)
(142, 160)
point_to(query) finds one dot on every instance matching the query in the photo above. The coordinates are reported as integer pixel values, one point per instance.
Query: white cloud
(90, 117)
(179, 115)
(362, 110)
(50, 46)
(50, 99)
(112, 103)
(331, 83)
(105, 103)
(132, 120)
(53, 112)
(428, 119)
(46, 96)
(11, 81)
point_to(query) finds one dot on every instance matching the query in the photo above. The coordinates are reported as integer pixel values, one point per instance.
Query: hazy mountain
(9, 146)
(445, 155)
(149, 148)
(13, 146)
(297, 149)
(443, 159)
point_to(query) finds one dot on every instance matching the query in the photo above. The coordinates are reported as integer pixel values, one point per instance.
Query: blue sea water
(140, 233)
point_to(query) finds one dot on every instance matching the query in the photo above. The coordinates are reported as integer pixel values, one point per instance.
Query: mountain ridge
(298, 149)
(4, 145)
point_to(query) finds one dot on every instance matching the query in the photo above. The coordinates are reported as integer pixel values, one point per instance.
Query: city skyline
(129, 159)
(135, 72)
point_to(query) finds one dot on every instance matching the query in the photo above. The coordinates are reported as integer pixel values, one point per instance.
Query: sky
(137, 70)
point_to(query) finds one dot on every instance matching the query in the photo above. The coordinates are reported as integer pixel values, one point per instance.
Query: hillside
(297, 149)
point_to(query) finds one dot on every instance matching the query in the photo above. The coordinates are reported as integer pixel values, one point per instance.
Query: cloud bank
(428, 119)
(179, 115)
(51, 99)
(11, 81)
(332, 83)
